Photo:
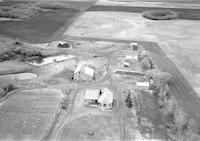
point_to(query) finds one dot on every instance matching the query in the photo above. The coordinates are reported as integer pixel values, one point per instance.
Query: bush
(145, 64)
(6, 89)
(160, 15)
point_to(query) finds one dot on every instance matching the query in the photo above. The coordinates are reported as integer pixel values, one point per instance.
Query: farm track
(180, 88)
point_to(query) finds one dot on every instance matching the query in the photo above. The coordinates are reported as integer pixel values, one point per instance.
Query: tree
(129, 101)
(161, 78)
(145, 64)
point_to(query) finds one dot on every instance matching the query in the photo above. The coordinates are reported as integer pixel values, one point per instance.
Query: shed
(126, 64)
(134, 45)
(131, 57)
(143, 85)
(106, 99)
(91, 96)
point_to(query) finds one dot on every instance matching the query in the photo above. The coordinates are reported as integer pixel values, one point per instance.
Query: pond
(39, 29)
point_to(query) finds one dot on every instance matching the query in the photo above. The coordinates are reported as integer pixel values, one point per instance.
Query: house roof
(133, 43)
(85, 70)
(142, 84)
(106, 96)
(89, 71)
(78, 68)
(92, 94)
(131, 57)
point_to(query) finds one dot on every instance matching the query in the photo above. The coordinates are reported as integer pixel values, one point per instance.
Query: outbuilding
(143, 85)
(91, 96)
(131, 57)
(134, 46)
(126, 64)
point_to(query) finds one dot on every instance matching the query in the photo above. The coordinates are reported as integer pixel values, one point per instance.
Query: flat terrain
(100, 38)
(184, 13)
(44, 27)
(153, 3)
(24, 116)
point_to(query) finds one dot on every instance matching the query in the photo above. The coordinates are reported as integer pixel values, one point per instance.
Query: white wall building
(106, 99)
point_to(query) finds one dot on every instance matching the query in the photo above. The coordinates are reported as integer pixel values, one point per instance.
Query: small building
(105, 100)
(143, 85)
(83, 72)
(91, 96)
(126, 64)
(63, 44)
(131, 57)
(134, 46)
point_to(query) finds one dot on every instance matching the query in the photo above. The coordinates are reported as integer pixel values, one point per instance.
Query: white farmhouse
(106, 99)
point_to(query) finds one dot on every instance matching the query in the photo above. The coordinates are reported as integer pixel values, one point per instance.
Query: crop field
(38, 29)
(194, 4)
(24, 116)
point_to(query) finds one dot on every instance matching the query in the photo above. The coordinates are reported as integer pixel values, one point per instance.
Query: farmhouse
(103, 98)
(143, 85)
(106, 99)
(91, 96)
(83, 72)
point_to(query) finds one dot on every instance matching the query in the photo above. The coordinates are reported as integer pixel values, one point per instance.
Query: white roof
(62, 42)
(132, 57)
(78, 68)
(106, 96)
(85, 70)
(134, 43)
(92, 94)
(142, 84)
(126, 63)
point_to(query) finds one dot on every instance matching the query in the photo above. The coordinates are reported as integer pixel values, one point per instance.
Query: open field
(104, 128)
(38, 29)
(153, 3)
(188, 14)
(42, 27)
(26, 115)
